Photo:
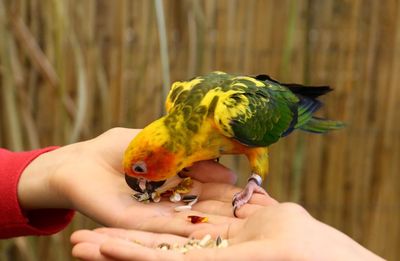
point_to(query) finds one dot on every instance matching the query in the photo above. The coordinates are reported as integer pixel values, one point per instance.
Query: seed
(137, 242)
(183, 208)
(142, 184)
(155, 197)
(205, 240)
(137, 196)
(189, 198)
(218, 241)
(193, 202)
(176, 197)
(198, 219)
(141, 197)
(224, 243)
(184, 186)
(164, 246)
(183, 250)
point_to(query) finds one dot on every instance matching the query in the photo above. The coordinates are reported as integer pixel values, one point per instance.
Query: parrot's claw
(242, 197)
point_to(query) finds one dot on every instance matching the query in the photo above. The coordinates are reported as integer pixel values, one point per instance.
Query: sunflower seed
(183, 208)
(205, 240)
(189, 198)
(218, 241)
(164, 246)
(224, 243)
(155, 197)
(141, 197)
(175, 197)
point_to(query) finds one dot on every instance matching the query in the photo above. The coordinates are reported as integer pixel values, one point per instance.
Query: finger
(181, 225)
(225, 231)
(148, 239)
(122, 135)
(122, 250)
(211, 171)
(220, 208)
(225, 192)
(87, 236)
(88, 251)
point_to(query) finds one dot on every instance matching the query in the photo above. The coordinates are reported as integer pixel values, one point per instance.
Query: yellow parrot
(218, 114)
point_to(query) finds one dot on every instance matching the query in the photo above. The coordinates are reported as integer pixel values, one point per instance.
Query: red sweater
(13, 220)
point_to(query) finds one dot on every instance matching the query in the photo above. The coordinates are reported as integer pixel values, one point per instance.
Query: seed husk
(173, 193)
(224, 243)
(155, 197)
(184, 186)
(189, 198)
(218, 241)
(183, 208)
(205, 242)
(176, 197)
(198, 219)
(141, 197)
(164, 246)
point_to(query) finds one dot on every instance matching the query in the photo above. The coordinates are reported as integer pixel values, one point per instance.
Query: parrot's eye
(139, 167)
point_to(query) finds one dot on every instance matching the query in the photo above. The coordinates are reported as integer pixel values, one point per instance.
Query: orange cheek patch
(159, 164)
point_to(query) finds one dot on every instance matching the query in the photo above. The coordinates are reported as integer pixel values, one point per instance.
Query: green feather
(318, 125)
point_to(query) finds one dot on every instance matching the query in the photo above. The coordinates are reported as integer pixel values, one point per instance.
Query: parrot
(220, 113)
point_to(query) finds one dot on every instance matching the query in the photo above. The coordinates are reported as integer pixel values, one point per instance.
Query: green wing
(256, 113)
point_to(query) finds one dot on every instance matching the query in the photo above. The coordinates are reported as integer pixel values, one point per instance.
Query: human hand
(88, 177)
(276, 232)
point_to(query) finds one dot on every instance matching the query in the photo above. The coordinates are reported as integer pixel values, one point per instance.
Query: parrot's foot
(242, 197)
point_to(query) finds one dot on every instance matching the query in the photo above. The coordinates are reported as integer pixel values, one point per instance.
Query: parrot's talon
(234, 199)
(244, 196)
(234, 211)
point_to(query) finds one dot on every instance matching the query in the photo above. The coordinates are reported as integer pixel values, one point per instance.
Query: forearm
(37, 188)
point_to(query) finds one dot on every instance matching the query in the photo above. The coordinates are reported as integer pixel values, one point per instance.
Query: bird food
(205, 242)
(197, 219)
(174, 194)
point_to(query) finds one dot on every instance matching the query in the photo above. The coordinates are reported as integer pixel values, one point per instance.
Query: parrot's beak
(142, 185)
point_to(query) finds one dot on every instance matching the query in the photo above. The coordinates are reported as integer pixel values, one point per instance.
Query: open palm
(91, 176)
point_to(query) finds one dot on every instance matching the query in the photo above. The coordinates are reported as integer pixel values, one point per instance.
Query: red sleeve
(13, 220)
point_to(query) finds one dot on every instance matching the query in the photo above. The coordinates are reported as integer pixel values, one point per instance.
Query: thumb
(210, 171)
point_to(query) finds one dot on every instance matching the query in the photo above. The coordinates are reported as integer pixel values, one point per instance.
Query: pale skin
(279, 231)
(88, 177)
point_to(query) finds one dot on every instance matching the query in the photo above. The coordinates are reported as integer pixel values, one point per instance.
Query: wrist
(36, 186)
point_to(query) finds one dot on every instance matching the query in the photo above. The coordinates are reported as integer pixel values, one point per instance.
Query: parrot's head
(148, 158)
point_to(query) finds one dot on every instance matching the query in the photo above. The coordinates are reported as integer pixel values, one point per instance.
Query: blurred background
(70, 70)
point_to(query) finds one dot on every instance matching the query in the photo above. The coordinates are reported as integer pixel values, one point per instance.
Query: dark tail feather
(318, 125)
(308, 104)
(308, 91)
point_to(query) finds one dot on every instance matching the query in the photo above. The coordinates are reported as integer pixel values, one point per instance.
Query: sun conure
(220, 113)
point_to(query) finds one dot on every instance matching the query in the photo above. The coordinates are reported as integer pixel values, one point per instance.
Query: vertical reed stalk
(162, 33)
